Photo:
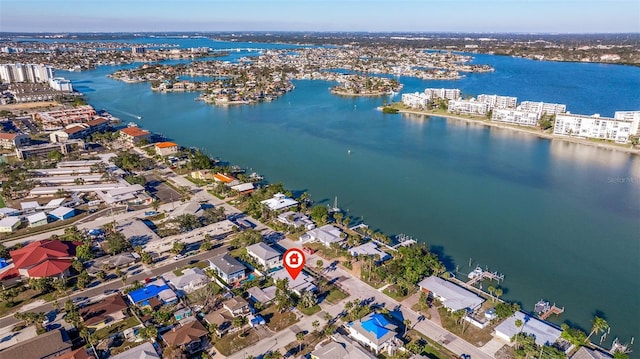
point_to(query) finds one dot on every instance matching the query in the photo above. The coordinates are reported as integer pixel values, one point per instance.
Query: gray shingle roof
(227, 264)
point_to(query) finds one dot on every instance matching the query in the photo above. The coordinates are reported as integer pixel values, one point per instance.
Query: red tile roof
(134, 131)
(9, 273)
(38, 251)
(97, 121)
(166, 144)
(7, 136)
(49, 268)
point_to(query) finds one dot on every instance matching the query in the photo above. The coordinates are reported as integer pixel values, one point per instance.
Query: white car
(179, 256)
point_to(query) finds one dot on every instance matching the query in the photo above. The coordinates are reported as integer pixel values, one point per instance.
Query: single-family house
(190, 280)
(157, 289)
(374, 331)
(37, 219)
(221, 177)
(183, 313)
(340, 348)
(543, 332)
(190, 337)
(106, 312)
(236, 306)
(588, 353)
(452, 296)
(228, 268)
(279, 202)
(369, 249)
(166, 148)
(266, 256)
(296, 220)
(326, 235)
(243, 188)
(9, 224)
(62, 213)
(262, 295)
(303, 281)
(142, 351)
(221, 318)
(51, 344)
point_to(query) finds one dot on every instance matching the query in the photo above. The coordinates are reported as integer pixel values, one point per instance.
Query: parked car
(308, 250)
(111, 291)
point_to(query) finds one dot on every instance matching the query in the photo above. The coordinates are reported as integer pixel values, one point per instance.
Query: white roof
(243, 187)
(279, 201)
(262, 251)
(61, 212)
(326, 234)
(143, 351)
(301, 283)
(29, 205)
(263, 295)
(544, 332)
(7, 211)
(189, 276)
(54, 203)
(9, 221)
(368, 249)
(37, 217)
(453, 296)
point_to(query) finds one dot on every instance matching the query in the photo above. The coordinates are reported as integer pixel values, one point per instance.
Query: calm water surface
(560, 220)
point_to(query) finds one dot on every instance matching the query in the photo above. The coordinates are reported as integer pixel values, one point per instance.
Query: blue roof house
(157, 289)
(62, 213)
(375, 332)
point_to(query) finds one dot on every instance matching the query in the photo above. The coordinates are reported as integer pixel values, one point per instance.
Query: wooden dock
(486, 275)
(553, 310)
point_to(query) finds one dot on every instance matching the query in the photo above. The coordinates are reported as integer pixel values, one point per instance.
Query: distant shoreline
(531, 131)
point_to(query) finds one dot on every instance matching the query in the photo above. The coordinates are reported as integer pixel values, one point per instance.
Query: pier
(480, 275)
(545, 310)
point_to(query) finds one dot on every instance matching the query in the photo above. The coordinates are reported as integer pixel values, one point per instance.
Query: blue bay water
(560, 220)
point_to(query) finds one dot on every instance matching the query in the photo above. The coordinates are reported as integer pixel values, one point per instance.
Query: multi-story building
(542, 107)
(468, 107)
(79, 130)
(13, 140)
(614, 129)
(55, 120)
(496, 101)
(134, 134)
(61, 84)
(137, 50)
(415, 100)
(448, 94)
(517, 117)
(627, 116)
(44, 149)
(10, 73)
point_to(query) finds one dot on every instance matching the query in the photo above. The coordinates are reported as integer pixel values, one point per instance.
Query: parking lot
(160, 190)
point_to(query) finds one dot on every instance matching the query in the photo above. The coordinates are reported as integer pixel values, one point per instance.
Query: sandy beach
(532, 131)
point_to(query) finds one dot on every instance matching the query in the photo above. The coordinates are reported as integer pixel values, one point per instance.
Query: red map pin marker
(293, 261)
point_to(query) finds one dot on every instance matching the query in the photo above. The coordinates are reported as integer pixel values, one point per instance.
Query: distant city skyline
(523, 16)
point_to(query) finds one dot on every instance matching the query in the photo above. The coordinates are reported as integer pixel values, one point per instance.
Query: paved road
(98, 291)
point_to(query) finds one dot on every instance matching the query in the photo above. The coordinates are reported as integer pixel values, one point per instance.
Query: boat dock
(545, 310)
(479, 275)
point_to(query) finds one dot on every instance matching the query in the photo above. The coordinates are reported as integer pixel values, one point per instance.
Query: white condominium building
(517, 117)
(61, 84)
(542, 107)
(415, 100)
(10, 73)
(614, 129)
(468, 107)
(496, 101)
(449, 94)
(627, 115)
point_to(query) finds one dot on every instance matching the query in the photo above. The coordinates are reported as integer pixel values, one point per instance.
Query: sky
(524, 16)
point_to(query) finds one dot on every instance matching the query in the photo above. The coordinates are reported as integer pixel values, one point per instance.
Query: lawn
(395, 295)
(335, 295)
(432, 350)
(309, 311)
(201, 265)
(231, 343)
(473, 335)
(277, 321)
(116, 328)
(2, 204)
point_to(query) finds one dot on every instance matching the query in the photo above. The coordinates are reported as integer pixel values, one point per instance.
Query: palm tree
(407, 324)
(599, 325)
(315, 324)
(491, 290)
(300, 338)
(498, 292)
(518, 324)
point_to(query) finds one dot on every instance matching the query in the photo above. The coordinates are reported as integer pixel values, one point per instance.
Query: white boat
(475, 273)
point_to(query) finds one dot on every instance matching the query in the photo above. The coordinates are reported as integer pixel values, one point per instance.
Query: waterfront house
(587, 353)
(190, 337)
(134, 135)
(327, 235)
(243, 188)
(544, 332)
(452, 296)
(166, 148)
(296, 219)
(266, 256)
(369, 249)
(221, 177)
(203, 175)
(190, 280)
(9, 224)
(279, 202)
(229, 269)
(104, 313)
(375, 332)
